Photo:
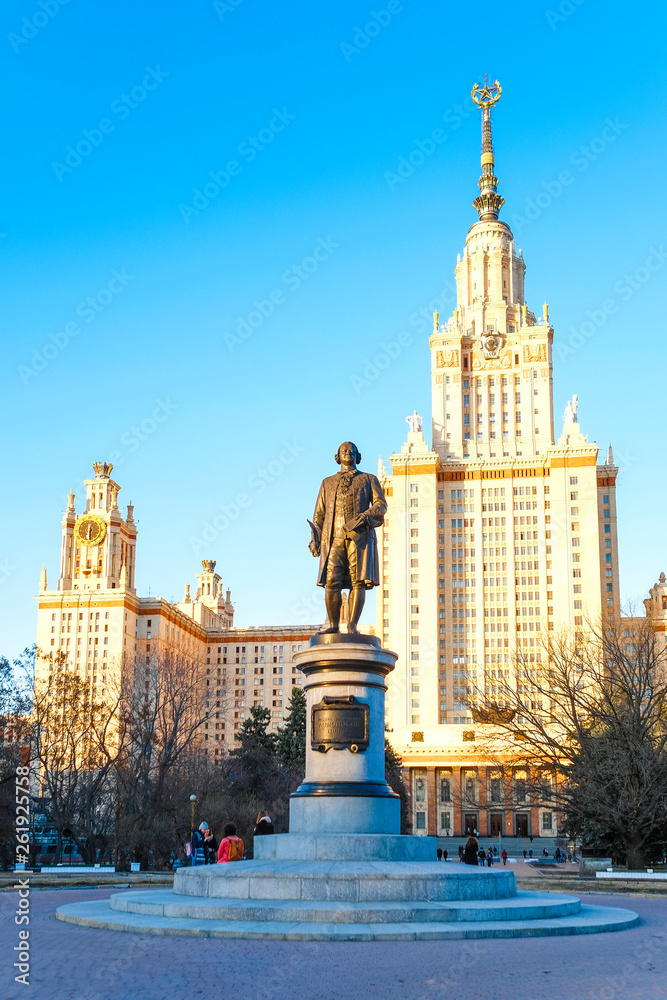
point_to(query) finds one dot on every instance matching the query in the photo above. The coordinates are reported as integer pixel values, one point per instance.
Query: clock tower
(98, 545)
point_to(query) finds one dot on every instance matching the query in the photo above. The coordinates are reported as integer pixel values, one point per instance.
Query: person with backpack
(231, 847)
(489, 858)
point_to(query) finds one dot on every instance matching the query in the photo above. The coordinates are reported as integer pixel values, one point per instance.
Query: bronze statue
(349, 507)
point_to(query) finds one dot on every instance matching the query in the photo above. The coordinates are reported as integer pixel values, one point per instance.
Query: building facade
(500, 531)
(95, 623)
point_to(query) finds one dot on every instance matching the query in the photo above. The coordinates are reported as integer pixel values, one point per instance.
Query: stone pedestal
(344, 791)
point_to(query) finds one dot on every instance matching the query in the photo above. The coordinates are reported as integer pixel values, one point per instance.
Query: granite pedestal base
(344, 847)
(346, 901)
(341, 814)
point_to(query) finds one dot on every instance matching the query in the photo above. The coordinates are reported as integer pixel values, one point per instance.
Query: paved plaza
(76, 963)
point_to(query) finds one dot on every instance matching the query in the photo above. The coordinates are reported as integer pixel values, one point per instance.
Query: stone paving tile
(77, 963)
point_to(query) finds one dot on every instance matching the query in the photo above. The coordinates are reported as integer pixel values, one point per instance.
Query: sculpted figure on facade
(570, 414)
(414, 422)
(350, 506)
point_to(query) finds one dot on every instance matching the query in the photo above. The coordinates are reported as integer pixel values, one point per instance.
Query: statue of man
(349, 507)
(414, 422)
(569, 414)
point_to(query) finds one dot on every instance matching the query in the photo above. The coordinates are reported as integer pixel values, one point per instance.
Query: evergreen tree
(292, 735)
(254, 735)
(393, 772)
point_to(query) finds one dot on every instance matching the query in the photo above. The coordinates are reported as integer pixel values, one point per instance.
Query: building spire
(488, 203)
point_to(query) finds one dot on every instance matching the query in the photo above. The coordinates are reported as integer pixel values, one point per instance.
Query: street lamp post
(193, 799)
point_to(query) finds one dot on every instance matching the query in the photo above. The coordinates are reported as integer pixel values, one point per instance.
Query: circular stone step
(589, 920)
(363, 881)
(525, 906)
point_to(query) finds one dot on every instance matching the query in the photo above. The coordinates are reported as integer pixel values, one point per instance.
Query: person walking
(470, 852)
(504, 857)
(439, 853)
(444, 854)
(489, 858)
(231, 847)
(525, 854)
(263, 824)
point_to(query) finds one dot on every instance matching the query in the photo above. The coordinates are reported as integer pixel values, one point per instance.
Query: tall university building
(500, 532)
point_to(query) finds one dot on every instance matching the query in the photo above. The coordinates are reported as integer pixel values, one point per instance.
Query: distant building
(96, 621)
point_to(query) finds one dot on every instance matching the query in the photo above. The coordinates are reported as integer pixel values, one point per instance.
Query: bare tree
(14, 740)
(74, 745)
(160, 723)
(587, 719)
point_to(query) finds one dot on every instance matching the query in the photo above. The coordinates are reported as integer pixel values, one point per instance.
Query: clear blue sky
(314, 105)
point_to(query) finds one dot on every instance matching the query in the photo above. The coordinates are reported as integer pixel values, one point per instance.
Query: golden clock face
(90, 529)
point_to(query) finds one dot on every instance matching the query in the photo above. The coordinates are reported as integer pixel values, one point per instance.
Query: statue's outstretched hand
(314, 548)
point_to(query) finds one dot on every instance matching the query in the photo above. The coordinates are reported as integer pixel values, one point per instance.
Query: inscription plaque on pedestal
(341, 723)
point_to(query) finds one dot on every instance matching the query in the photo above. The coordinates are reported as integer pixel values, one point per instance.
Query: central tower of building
(497, 533)
(491, 331)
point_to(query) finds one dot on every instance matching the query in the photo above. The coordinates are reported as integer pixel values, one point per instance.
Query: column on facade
(534, 809)
(432, 801)
(457, 803)
(483, 816)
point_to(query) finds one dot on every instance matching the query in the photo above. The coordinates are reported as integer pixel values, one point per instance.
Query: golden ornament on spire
(486, 96)
(489, 202)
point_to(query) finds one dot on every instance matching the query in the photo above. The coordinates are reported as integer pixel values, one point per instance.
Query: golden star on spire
(488, 95)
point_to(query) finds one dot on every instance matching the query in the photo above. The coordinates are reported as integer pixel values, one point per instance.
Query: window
(445, 790)
(420, 820)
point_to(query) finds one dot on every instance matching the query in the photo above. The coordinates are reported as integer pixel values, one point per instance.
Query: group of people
(205, 850)
(473, 854)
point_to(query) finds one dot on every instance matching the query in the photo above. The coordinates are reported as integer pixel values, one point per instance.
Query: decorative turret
(489, 202)
(42, 579)
(102, 470)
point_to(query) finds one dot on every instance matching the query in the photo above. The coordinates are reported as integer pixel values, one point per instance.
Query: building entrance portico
(521, 825)
(470, 824)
